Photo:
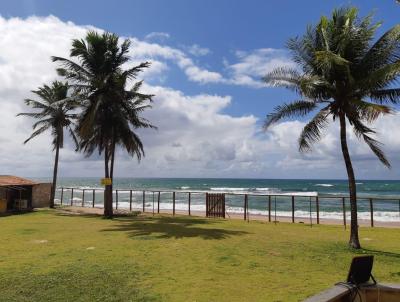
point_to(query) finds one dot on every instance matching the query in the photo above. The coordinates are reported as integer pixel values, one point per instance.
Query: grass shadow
(66, 212)
(161, 227)
(16, 212)
(378, 253)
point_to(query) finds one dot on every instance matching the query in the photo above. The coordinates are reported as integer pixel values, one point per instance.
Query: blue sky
(222, 26)
(208, 58)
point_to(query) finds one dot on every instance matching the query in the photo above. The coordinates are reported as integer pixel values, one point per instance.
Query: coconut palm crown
(56, 113)
(343, 74)
(110, 114)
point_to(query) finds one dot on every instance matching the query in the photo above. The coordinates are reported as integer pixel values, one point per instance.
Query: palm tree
(110, 114)
(54, 115)
(346, 75)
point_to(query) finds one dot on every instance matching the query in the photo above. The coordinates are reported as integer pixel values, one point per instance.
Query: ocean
(304, 191)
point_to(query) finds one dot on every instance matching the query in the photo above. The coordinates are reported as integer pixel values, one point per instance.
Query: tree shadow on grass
(81, 213)
(378, 253)
(84, 215)
(343, 247)
(161, 227)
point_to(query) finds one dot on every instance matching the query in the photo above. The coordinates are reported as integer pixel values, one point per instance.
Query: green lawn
(50, 256)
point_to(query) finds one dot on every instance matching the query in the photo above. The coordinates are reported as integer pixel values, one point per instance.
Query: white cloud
(253, 65)
(185, 121)
(195, 137)
(145, 50)
(58, 42)
(18, 54)
(198, 51)
(159, 36)
(183, 145)
(326, 156)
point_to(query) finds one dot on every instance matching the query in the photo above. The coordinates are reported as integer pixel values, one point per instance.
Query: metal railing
(314, 202)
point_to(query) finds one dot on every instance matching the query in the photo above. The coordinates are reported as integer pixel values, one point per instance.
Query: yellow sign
(106, 181)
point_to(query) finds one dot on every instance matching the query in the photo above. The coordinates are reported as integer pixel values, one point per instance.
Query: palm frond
(296, 108)
(386, 50)
(311, 132)
(32, 114)
(363, 132)
(74, 138)
(36, 104)
(283, 77)
(37, 132)
(131, 73)
(382, 96)
(54, 107)
(71, 69)
(369, 112)
(380, 78)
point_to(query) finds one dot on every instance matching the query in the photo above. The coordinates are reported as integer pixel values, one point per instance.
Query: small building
(17, 193)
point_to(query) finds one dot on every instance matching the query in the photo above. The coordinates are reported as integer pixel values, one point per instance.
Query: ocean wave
(306, 194)
(323, 185)
(382, 216)
(267, 189)
(184, 187)
(81, 188)
(229, 189)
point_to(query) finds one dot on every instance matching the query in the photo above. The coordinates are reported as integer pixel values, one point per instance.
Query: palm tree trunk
(108, 210)
(354, 242)
(112, 168)
(112, 161)
(55, 170)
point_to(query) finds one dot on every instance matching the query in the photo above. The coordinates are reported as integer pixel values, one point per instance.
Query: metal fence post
(292, 209)
(317, 205)
(72, 196)
(344, 212)
(144, 200)
(130, 200)
(158, 202)
(173, 203)
(269, 208)
(245, 207)
(371, 208)
(189, 201)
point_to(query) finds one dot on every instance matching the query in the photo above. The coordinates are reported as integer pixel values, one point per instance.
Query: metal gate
(215, 205)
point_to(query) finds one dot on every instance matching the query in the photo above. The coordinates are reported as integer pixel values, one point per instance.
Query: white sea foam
(229, 189)
(306, 194)
(323, 185)
(262, 191)
(267, 189)
(81, 188)
(185, 187)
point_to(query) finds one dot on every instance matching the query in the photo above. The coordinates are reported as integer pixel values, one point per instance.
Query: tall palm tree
(346, 75)
(54, 115)
(110, 113)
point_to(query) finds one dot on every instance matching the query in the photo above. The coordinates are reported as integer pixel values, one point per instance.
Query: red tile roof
(9, 180)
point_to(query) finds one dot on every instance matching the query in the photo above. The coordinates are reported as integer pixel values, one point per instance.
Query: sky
(208, 58)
